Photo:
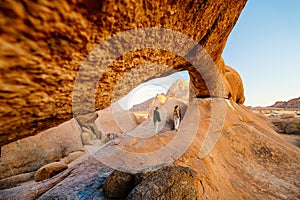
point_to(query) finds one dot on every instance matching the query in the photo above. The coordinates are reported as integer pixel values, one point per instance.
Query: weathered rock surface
(82, 180)
(235, 85)
(249, 161)
(118, 184)
(16, 180)
(87, 136)
(173, 182)
(72, 156)
(43, 44)
(49, 171)
(169, 183)
(31, 153)
(115, 120)
(247, 158)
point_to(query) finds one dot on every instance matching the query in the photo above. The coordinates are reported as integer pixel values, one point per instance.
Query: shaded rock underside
(44, 43)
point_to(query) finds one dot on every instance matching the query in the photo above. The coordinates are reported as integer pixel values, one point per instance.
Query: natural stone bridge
(44, 44)
(50, 68)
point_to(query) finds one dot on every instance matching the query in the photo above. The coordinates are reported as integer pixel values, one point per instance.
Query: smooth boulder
(49, 171)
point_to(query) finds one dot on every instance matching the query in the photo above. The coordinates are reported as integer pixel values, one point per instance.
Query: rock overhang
(44, 44)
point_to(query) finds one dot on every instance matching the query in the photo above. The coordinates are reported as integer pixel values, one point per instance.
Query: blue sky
(264, 47)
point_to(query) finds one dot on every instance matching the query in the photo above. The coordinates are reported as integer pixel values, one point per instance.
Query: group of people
(157, 119)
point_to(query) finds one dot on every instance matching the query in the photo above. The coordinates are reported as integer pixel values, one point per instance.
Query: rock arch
(43, 46)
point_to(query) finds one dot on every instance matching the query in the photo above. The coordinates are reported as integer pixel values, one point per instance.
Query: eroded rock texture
(49, 171)
(31, 153)
(172, 182)
(43, 44)
(249, 161)
(169, 183)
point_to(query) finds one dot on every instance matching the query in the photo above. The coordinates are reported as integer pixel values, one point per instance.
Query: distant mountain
(158, 100)
(142, 106)
(178, 90)
(293, 103)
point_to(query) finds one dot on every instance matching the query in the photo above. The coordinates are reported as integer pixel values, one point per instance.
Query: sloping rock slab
(13, 181)
(82, 180)
(31, 153)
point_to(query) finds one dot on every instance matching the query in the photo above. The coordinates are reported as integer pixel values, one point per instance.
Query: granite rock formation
(179, 183)
(293, 103)
(31, 153)
(82, 180)
(44, 43)
(249, 161)
(49, 171)
(235, 85)
(118, 185)
(149, 104)
(115, 120)
(43, 46)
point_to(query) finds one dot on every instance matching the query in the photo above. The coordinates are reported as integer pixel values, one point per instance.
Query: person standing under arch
(156, 119)
(176, 115)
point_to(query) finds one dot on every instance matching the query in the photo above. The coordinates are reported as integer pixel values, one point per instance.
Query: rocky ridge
(179, 90)
(293, 103)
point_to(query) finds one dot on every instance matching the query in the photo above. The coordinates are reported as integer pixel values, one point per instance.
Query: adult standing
(176, 115)
(156, 119)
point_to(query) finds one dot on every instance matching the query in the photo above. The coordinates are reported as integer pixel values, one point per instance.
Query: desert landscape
(284, 117)
(64, 133)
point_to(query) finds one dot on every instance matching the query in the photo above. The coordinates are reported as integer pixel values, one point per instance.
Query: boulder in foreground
(49, 171)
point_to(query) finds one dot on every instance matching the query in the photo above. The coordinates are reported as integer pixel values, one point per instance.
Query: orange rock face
(31, 153)
(235, 153)
(248, 160)
(235, 85)
(43, 44)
